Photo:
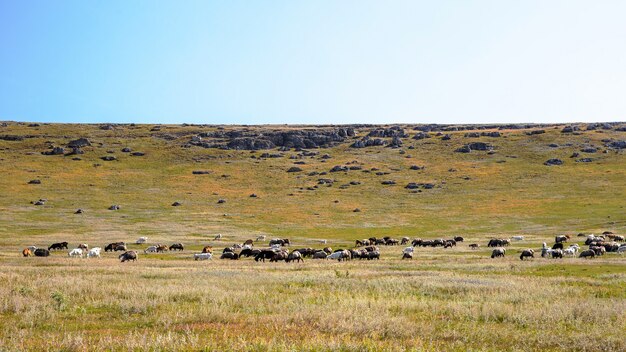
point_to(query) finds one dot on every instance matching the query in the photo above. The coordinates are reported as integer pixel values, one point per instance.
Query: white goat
(94, 252)
(76, 252)
(202, 256)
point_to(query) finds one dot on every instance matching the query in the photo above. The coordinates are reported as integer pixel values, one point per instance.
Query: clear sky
(316, 61)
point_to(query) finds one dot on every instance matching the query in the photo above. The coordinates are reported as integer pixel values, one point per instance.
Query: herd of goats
(364, 249)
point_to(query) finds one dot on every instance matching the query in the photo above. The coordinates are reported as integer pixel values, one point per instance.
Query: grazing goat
(587, 254)
(128, 256)
(517, 238)
(557, 253)
(207, 249)
(474, 246)
(83, 246)
(406, 255)
(41, 252)
(498, 252)
(141, 240)
(94, 252)
(58, 246)
(151, 249)
(260, 238)
(320, 255)
(527, 253)
(218, 237)
(177, 247)
(27, 252)
(202, 256)
(76, 252)
(294, 256)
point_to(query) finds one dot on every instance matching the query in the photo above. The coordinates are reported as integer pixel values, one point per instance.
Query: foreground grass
(437, 301)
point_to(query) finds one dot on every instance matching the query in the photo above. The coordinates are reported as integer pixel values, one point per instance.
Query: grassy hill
(453, 299)
(508, 192)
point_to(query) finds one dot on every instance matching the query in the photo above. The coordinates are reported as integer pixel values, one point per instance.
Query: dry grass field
(444, 299)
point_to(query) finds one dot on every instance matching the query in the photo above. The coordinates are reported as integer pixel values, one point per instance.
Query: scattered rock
(79, 211)
(388, 182)
(220, 201)
(575, 155)
(446, 137)
(356, 210)
(294, 169)
(584, 160)
(114, 207)
(416, 167)
(106, 127)
(569, 129)
(79, 143)
(616, 144)
(75, 151)
(339, 168)
(55, 151)
(126, 150)
(553, 145)
(355, 183)
(253, 195)
(137, 154)
(200, 172)
(34, 182)
(421, 135)
(108, 158)
(552, 162)
(368, 142)
(40, 202)
(589, 150)
(535, 132)
(177, 204)
(463, 149)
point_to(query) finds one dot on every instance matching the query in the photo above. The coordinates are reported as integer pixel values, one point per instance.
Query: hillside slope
(506, 191)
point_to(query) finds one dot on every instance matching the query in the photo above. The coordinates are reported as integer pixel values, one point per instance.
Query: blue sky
(317, 61)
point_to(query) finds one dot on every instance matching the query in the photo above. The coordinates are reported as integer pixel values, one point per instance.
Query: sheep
(230, 255)
(295, 255)
(128, 256)
(41, 252)
(320, 255)
(557, 253)
(570, 251)
(498, 252)
(177, 247)
(527, 253)
(76, 252)
(587, 254)
(339, 255)
(202, 256)
(94, 252)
